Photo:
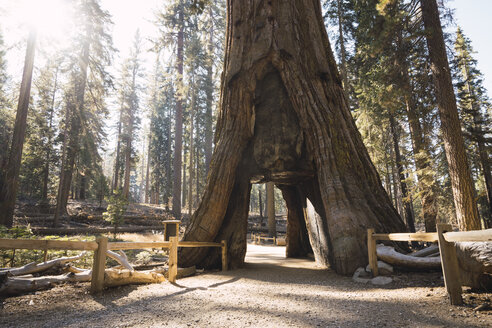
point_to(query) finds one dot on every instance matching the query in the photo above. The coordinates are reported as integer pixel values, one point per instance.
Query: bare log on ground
(114, 277)
(428, 251)
(389, 255)
(18, 286)
(121, 259)
(40, 267)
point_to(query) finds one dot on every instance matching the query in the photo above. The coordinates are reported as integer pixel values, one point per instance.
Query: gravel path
(270, 291)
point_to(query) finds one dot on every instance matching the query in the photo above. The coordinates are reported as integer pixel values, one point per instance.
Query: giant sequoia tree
(284, 118)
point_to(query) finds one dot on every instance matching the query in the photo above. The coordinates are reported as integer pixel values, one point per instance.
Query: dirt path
(270, 291)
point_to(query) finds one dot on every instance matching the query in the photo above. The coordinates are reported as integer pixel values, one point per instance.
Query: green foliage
(116, 208)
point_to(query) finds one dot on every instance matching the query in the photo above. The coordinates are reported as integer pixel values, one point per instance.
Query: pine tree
(10, 178)
(459, 170)
(473, 104)
(130, 89)
(84, 98)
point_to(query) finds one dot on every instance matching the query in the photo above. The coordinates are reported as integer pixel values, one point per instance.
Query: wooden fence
(101, 245)
(446, 239)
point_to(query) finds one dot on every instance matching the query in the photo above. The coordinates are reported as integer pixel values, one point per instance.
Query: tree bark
(297, 238)
(279, 68)
(459, 169)
(8, 191)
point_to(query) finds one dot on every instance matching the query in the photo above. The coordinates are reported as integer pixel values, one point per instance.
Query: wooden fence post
(97, 280)
(173, 259)
(371, 252)
(449, 263)
(224, 255)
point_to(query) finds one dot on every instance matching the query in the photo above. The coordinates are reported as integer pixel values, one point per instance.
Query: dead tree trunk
(279, 68)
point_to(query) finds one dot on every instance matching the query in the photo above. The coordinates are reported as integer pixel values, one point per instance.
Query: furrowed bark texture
(459, 169)
(284, 118)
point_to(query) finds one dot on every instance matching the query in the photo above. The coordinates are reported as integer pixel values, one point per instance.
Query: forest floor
(270, 291)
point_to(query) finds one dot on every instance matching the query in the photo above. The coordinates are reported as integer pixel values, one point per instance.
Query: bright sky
(474, 18)
(128, 16)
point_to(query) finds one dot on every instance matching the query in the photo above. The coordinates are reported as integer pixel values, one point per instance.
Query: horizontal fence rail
(420, 236)
(47, 244)
(446, 238)
(101, 245)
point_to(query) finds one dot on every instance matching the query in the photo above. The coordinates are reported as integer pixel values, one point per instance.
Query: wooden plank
(224, 255)
(198, 244)
(97, 280)
(47, 244)
(138, 245)
(475, 235)
(419, 236)
(173, 259)
(450, 268)
(371, 252)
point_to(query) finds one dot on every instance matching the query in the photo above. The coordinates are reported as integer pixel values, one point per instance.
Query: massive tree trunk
(459, 169)
(10, 182)
(178, 122)
(279, 69)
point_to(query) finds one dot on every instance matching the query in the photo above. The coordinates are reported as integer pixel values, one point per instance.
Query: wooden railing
(101, 245)
(258, 237)
(446, 239)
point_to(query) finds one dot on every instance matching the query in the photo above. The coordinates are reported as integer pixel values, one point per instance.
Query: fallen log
(120, 258)
(34, 267)
(113, 277)
(429, 251)
(17, 286)
(389, 255)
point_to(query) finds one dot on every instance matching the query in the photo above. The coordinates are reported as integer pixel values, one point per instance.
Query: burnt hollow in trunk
(284, 118)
